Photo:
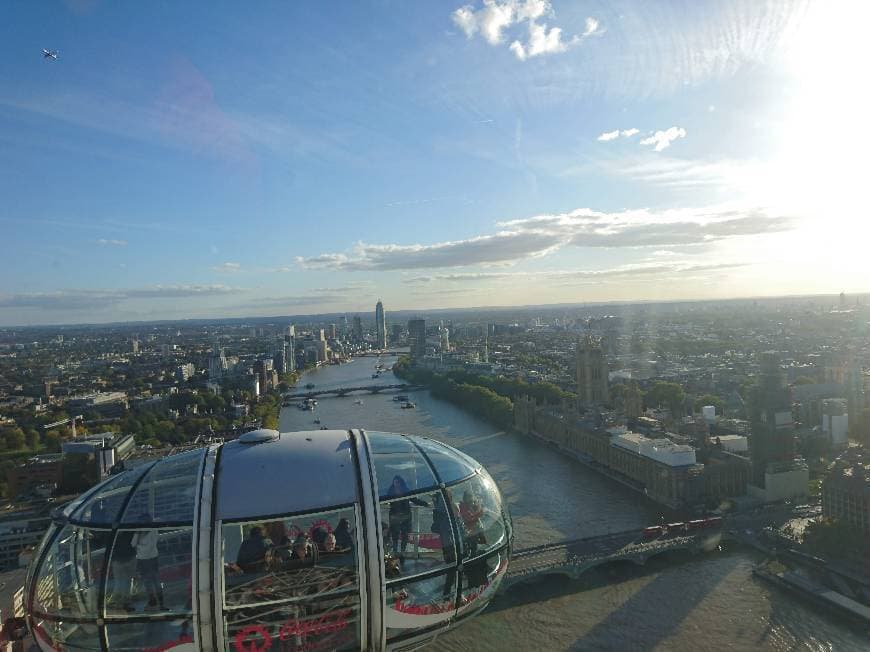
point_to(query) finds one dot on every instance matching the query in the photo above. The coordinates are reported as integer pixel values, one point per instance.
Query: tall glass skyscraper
(381, 325)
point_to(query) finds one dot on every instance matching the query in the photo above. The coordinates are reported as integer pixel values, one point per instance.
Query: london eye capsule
(323, 540)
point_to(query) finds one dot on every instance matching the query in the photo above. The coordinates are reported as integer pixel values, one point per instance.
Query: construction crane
(71, 421)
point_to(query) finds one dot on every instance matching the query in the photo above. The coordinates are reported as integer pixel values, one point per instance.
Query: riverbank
(813, 592)
(476, 398)
(702, 602)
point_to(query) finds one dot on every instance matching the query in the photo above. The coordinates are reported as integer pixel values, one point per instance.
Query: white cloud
(495, 17)
(108, 242)
(96, 299)
(489, 20)
(592, 27)
(465, 20)
(644, 269)
(228, 267)
(616, 133)
(541, 41)
(542, 235)
(663, 139)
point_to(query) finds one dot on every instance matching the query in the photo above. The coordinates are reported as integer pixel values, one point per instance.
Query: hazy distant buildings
(185, 372)
(395, 333)
(835, 421)
(279, 357)
(217, 363)
(380, 325)
(591, 373)
(417, 339)
(444, 336)
(357, 329)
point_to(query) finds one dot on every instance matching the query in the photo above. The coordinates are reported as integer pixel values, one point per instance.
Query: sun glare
(818, 171)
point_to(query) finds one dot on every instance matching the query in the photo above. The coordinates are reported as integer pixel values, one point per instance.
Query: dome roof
(352, 538)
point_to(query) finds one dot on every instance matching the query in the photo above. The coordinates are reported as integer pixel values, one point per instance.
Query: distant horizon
(309, 317)
(294, 157)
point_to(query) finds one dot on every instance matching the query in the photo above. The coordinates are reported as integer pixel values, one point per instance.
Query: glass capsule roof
(266, 520)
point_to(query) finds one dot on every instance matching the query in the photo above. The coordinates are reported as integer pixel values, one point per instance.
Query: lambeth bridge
(344, 391)
(572, 558)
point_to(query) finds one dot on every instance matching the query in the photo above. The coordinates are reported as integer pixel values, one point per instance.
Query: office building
(591, 373)
(185, 372)
(357, 329)
(395, 333)
(444, 336)
(217, 363)
(846, 490)
(835, 422)
(380, 325)
(417, 339)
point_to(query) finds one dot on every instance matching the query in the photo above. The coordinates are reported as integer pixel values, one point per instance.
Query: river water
(711, 602)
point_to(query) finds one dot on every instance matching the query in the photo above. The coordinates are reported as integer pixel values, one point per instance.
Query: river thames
(710, 602)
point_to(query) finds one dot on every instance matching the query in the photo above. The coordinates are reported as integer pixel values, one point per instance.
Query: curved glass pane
(104, 506)
(155, 635)
(481, 519)
(150, 572)
(418, 604)
(480, 580)
(399, 466)
(289, 558)
(319, 624)
(450, 464)
(168, 492)
(62, 635)
(418, 535)
(31, 569)
(68, 579)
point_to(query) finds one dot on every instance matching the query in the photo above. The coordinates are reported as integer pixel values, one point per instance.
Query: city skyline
(481, 154)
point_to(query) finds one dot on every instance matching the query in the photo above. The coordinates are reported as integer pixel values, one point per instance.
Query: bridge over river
(344, 391)
(572, 558)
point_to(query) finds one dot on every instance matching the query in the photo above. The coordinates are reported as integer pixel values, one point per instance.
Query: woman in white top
(147, 565)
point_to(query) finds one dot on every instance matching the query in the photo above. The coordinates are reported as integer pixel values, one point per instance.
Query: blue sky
(280, 158)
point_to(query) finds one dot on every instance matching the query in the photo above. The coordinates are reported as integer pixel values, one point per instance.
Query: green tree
(710, 399)
(52, 440)
(666, 394)
(14, 438)
(32, 437)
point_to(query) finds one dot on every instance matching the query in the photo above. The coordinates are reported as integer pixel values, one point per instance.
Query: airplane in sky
(49, 54)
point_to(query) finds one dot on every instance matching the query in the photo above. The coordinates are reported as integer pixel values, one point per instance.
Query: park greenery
(486, 397)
